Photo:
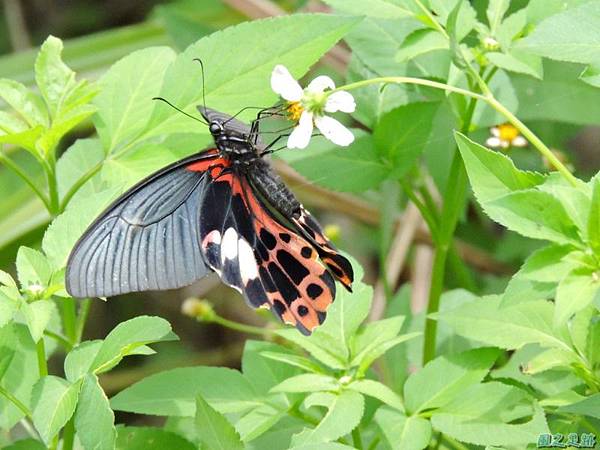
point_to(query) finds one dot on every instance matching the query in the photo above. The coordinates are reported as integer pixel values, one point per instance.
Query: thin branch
(15, 22)
(421, 278)
(404, 237)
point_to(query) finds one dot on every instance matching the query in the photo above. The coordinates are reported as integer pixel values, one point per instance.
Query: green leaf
(296, 41)
(492, 174)
(535, 214)
(379, 391)
(324, 446)
(26, 444)
(420, 42)
(354, 169)
(549, 359)
(264, 373)
(510, 28)
(94, 420)
(589, 406)
(330, 342)
(26, 103)
(64, 231)
(77, 161)
(518, 62)
(509, 327)
(576, 291)
(56, 81)
(307, 382)
(344, 412)
(401, 135)
(402, 432)
(382, 9)
(593, 225)
(38, 315)
(293, 360)
(548, 264)
(495, 13)
(173, 392)
(258, 421)
(214, 431)
(483, 431)
(367, 358)
(125, 102)
(33, 267)
(580, 107)
(148, 438)
(127, 336)
(572, 35)
(54, 401)
(426, 389)
(465, 18)
(591, 75)
(78, 361)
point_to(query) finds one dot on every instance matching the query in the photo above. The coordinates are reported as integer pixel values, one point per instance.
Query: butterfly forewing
(147, 240)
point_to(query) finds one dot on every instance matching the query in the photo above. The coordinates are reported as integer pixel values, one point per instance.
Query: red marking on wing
(215, 165)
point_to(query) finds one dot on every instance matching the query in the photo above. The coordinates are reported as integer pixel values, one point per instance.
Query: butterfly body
(223, 210)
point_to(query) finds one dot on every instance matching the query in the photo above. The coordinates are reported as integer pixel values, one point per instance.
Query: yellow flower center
(507, 132)
(294, 111)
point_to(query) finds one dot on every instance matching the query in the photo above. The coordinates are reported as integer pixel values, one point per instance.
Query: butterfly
(225, 210)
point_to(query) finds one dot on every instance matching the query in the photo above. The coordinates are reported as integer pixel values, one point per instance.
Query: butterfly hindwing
(272, 265)
(147, 239)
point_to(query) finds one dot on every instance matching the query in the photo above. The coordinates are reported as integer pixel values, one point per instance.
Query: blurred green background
(98, 33)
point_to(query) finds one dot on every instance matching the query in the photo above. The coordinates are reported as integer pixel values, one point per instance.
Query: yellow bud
(200, 310)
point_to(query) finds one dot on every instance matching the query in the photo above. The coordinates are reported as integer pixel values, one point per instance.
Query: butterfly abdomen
(274, 190)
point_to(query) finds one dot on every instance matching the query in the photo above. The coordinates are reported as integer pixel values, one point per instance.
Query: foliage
(476, 370)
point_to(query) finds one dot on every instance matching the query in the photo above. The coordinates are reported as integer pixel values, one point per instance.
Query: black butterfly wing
(272, 265)
(148, 239)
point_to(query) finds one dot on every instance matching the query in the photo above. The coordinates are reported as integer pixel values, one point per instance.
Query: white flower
(307, 106)
(504, 136)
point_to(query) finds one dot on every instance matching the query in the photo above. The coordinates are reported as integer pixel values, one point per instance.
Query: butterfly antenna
(203, 90)
(179, 109)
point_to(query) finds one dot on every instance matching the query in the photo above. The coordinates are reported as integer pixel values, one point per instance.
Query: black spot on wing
(314, 290)
(296, 271)
(302, 310)
(306, 252)
(285, 237)
(266, 279)
(283, 283)
(255, 293)
(268, 239)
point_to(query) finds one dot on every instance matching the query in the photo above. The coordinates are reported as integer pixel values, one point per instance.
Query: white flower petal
(334, 130)
(284, 84)
(495, 131)
(320, 83)
(519, 141)
(493, 142)
(340, 101)
(300, 136)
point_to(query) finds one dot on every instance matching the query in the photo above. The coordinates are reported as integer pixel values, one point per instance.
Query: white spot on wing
(229, 245)
(247, 262)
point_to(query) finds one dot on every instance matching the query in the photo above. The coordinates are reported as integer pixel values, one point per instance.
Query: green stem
(488, 98)
(411, 80)
(15, 401)
(428, 215)
(78, 184)
(454, 443)
(41, 358)
(374, 443)
(531, 137)
(432, 19)
(356, 439)
(21, 173)
(84, 310)
(240, 326)
(69, 318)
(68, 436)
(50, 169)
(60, 339)
(453, 199)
